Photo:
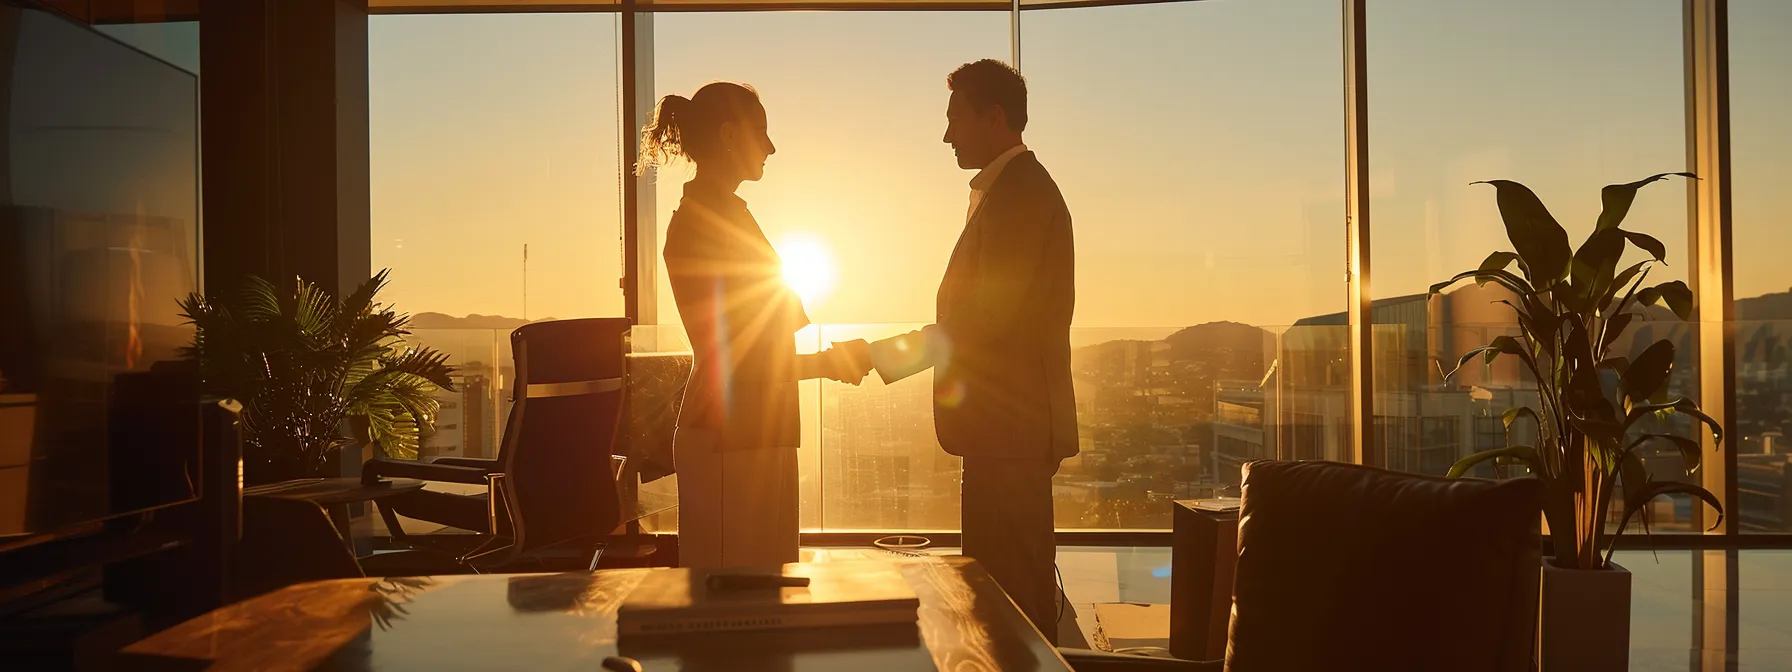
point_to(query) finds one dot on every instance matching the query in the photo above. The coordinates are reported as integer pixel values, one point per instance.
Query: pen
(755, 581)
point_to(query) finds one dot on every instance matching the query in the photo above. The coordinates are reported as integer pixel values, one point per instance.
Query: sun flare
(808, 267)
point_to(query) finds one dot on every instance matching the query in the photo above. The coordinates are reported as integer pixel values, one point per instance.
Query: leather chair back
(1345, 567)
(558, 483)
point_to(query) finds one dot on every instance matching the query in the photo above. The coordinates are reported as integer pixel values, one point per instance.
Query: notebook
(1221, 504)
(673, 601)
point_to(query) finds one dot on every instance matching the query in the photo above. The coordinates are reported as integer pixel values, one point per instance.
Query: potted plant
(305, 364)
(1595, 407)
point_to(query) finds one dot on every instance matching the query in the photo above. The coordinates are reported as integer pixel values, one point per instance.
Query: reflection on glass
(1662, 607)
(1765, 616)
(1761, 146)
(176, 42)
(99, 237)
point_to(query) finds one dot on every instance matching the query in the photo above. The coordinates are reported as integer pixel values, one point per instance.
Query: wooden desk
(568, 622)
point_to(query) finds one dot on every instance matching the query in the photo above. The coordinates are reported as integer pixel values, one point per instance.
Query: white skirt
(736, 507)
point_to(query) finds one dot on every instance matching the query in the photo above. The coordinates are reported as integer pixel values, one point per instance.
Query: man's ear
(994, 114)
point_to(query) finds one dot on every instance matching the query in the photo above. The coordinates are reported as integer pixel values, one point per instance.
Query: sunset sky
(1199, 145)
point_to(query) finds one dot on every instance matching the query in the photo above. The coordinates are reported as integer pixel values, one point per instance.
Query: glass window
(495, 177)
(1761, 146)
(1200, 148)
(1462, 91)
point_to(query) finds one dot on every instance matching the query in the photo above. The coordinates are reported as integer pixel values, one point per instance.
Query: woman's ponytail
(662, 140)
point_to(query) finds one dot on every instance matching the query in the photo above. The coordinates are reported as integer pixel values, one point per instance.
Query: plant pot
(1583, 622)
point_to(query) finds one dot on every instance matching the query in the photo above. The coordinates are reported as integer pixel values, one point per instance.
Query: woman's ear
(730, 136)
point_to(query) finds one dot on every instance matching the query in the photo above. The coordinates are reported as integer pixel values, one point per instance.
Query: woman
(736, 443)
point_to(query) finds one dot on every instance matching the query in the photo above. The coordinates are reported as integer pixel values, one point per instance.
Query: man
(1000, 346)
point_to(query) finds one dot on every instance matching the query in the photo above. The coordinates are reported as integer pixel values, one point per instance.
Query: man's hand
(848, 362)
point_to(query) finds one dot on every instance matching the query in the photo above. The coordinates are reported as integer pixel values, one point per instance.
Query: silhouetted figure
(735, 449)
(1000, 346)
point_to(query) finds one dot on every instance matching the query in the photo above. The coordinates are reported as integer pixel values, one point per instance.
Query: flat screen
(99, 231)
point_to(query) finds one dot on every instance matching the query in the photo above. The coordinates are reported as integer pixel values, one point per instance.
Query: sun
(808, 267)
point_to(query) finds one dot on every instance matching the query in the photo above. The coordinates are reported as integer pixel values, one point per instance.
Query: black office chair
(1345, 567)
(553, 484)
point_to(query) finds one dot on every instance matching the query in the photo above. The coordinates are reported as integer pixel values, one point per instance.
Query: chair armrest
(1086, 660)
(379, 467)
(489, 465)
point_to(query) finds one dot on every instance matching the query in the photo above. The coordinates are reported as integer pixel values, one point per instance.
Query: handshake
(847, 362)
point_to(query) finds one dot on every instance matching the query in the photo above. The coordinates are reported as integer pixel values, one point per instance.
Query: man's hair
(992, 82)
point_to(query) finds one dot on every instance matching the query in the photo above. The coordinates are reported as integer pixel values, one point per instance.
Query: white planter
(1583, 622)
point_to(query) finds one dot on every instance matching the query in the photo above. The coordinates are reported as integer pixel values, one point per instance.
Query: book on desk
(682, 600)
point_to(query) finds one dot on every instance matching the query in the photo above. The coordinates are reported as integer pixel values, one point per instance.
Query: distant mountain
(1207, 352)
(1217, 336)
(475, 321)
(1775, 306)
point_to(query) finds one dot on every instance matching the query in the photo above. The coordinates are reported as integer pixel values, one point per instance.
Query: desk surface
(334, 491)
(568, 622)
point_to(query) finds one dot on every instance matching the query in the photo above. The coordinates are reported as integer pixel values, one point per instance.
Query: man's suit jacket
(1002, 385)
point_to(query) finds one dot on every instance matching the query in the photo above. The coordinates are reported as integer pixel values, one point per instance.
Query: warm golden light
(808, 267)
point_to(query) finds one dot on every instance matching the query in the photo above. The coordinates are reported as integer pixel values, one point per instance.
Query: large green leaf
(1618, 198)
(1513, 414)
(1501, 345)
(1527, 454)
(1541, 242)
(1649, 372)
(1648, 243)
(1634, 502)
(1498, 261)
(1505, 278)
(1624, 282)
(1683, 406)
(1691, 454)
(1678, 297)
(1613, 330)
(1633, 478)
(1539, 329)
(1594, 265)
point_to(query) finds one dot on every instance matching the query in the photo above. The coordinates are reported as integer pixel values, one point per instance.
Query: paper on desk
(1127, 625)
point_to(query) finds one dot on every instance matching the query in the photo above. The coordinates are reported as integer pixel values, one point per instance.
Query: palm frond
(301, 363)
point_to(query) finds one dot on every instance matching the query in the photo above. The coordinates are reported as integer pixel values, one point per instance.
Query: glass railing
(1163, 414)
